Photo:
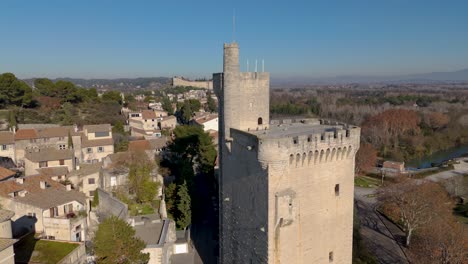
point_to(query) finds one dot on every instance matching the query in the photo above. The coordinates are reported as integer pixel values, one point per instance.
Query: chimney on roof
(20, 180)
(69, 187)
(43, 184)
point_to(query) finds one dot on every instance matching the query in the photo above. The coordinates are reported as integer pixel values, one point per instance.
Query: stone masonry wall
(244, 207)
(109, 206)
(310, 197)
(200, 84)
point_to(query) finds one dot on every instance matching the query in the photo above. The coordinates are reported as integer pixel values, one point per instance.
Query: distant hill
(433, 77)
(116, 84)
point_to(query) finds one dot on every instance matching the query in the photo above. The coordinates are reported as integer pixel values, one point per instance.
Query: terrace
(32, 250)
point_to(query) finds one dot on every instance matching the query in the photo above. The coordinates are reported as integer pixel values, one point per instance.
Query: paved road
(376, 236)
(459, 169)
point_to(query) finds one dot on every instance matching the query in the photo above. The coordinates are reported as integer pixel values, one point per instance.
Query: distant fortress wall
(177, 81)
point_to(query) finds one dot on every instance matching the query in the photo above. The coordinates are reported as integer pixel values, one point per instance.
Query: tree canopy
(14, 92)
(64, 90)
(167, 105)
(115, 243)
(112, 96)
(184, 206)
(366, 158)
(211, 104)
(415, 203)
(193, 143)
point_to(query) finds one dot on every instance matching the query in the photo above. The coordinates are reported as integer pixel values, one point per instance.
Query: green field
(366, 182)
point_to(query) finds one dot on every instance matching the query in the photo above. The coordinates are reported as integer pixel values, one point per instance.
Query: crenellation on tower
(286, 186)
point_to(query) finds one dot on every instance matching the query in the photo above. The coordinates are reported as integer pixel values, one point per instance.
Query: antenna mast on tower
(234, 25)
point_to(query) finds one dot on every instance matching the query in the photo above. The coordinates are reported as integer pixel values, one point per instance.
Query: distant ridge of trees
(124, 83)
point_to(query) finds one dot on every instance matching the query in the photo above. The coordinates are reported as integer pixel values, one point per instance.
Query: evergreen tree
(118, 128)
(194, 144)
(45, 87)
(14, 91)
(184, 206)
(167, 105)
(211, 104)
(170, 195)
(95, 202)
(70, 140)
(115, 243)
(12, 120)
(186, 112)
(112, 96)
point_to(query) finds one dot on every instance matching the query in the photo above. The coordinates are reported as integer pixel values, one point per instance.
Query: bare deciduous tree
(417, 203)
(366, 158)
(443, 241)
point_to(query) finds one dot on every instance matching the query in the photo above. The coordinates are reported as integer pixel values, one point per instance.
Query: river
(437, 157)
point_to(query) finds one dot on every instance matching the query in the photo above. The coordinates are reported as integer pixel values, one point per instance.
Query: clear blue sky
(110, 39)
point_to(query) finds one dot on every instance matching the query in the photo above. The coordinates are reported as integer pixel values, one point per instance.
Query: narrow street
(375, 230)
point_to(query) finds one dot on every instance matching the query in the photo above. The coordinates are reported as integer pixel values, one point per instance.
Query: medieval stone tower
(286, 187)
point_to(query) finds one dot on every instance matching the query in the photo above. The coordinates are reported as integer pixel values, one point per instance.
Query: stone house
(7, 254)
(46, 137)
(114, 176)
(167, 122)
(7, 145)
(114, 173)
(136, 132)
(57, 173)
(155, 105)
(86, 178)
(160, 113)
(45, 206)
(206, 120)
(158, 234)
(144, 124)
(151, 146)
(97, 142)
(393, 167)
(46, 158)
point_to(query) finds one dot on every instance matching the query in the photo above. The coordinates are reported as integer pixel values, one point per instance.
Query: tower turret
(244, 96)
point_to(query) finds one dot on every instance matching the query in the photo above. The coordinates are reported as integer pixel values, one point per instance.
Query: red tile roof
(139, 145)
(54, 194)
(26, 134)
(148, 114)
(5, 173)
(205, 118)
(7, 138)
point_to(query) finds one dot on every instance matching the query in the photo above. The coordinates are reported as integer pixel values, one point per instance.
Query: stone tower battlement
(244, 96)
(311, 140)
(285, 186)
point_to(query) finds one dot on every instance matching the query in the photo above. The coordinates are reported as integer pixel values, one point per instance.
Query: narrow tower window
(260, 121)
(337, 190)
(330, 256)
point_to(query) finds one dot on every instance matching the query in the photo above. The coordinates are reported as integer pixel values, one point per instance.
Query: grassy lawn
(33, 250)
(366, 182)
(141, 209)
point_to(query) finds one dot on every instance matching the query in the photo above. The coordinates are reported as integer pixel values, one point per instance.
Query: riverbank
(437, 158)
